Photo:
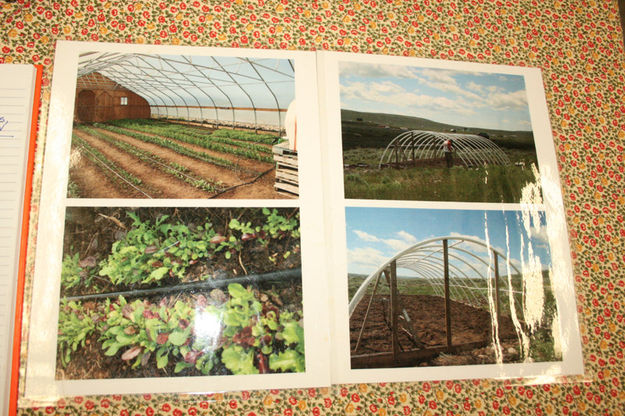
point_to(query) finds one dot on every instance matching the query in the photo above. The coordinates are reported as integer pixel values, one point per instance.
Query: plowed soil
(154, 182)
(251, 180)
(427, 316)
(86, 175)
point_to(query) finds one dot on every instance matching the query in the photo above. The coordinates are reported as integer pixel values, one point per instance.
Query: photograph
(183, 126)
(435, 134)
(449, 287)
(180, 292)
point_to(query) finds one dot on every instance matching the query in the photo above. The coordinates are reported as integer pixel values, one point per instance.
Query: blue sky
(374, 235)
(468, 99)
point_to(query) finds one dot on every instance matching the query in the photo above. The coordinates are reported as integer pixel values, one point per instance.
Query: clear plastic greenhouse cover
(222, 89)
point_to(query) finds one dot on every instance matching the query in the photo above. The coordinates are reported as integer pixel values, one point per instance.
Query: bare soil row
(93, 180)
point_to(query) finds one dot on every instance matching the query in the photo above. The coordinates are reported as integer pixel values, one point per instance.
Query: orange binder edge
(21, 273)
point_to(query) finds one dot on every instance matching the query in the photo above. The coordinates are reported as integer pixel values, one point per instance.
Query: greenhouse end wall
(105, 100)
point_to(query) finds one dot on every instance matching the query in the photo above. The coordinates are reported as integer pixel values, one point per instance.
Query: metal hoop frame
(174, 85)
(471, 149)
(424, 259)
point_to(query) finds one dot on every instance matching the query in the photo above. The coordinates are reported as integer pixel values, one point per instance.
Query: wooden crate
(287, 180)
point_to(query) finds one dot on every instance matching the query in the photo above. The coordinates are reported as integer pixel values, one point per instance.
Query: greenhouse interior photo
(165, 126)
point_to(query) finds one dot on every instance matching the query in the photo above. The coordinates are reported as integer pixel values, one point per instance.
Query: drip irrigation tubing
(103, 163)
(277, 276)
(242, 184)
(151, 159)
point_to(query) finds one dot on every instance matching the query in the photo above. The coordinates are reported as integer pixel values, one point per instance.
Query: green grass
(360, 129)
(483, 184)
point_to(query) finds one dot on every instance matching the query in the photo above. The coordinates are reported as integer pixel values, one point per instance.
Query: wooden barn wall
(577, 44)
(103, 102)
(106, 106)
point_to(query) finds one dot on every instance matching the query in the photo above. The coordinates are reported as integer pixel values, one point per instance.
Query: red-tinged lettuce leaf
(131, 353)
(192, 356)
(217, 239)
(162, 338)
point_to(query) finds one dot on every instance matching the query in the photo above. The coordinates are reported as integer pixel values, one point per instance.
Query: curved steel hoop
(423, 261)
(415, 145)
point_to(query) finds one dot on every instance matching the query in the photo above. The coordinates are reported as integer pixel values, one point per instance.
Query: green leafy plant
(100, 159)
(75, 326)
(239, 360)
(142, 329)
(76, 272)
(172, 168)
(278, 226)
(173, 146)
(292, 333)
(71, 271)
(151, 252)
(245, 334)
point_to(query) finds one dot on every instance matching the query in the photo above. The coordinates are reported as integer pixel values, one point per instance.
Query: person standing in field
(448, 148)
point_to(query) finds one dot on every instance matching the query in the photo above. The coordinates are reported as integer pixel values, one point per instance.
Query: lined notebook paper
(17, 85)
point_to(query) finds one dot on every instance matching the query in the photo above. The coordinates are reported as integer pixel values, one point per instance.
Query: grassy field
(483, 184)
(366, 135)
(373, 130)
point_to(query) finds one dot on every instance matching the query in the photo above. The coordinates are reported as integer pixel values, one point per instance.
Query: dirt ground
(251, 180)
(427, 315)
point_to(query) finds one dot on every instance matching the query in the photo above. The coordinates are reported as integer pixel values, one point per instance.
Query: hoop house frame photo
(485, 282)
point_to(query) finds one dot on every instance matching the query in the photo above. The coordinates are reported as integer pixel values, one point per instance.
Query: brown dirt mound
(427, 316)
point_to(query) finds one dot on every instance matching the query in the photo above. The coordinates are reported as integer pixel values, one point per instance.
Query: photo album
(223, 219)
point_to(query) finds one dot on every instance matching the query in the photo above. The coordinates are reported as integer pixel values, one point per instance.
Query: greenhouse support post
(497, 301)
(447, 304)
(394, 310)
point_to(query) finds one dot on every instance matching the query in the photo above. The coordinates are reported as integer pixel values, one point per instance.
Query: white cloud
(438, 75)
(394, 95)
(386, 87)
(475, 87)
(501, 100)
(366, 236)
(366, 257)
(458, 90)
(407, 236)
(397, 245)
(404, 241)
(540, 233)
(444, 81)
(375, 71)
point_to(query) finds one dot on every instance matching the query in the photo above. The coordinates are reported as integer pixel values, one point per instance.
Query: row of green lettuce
(151, 251)
(243, 331)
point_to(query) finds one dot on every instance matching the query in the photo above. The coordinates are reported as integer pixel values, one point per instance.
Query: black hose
(241, 184)
(280, 275)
